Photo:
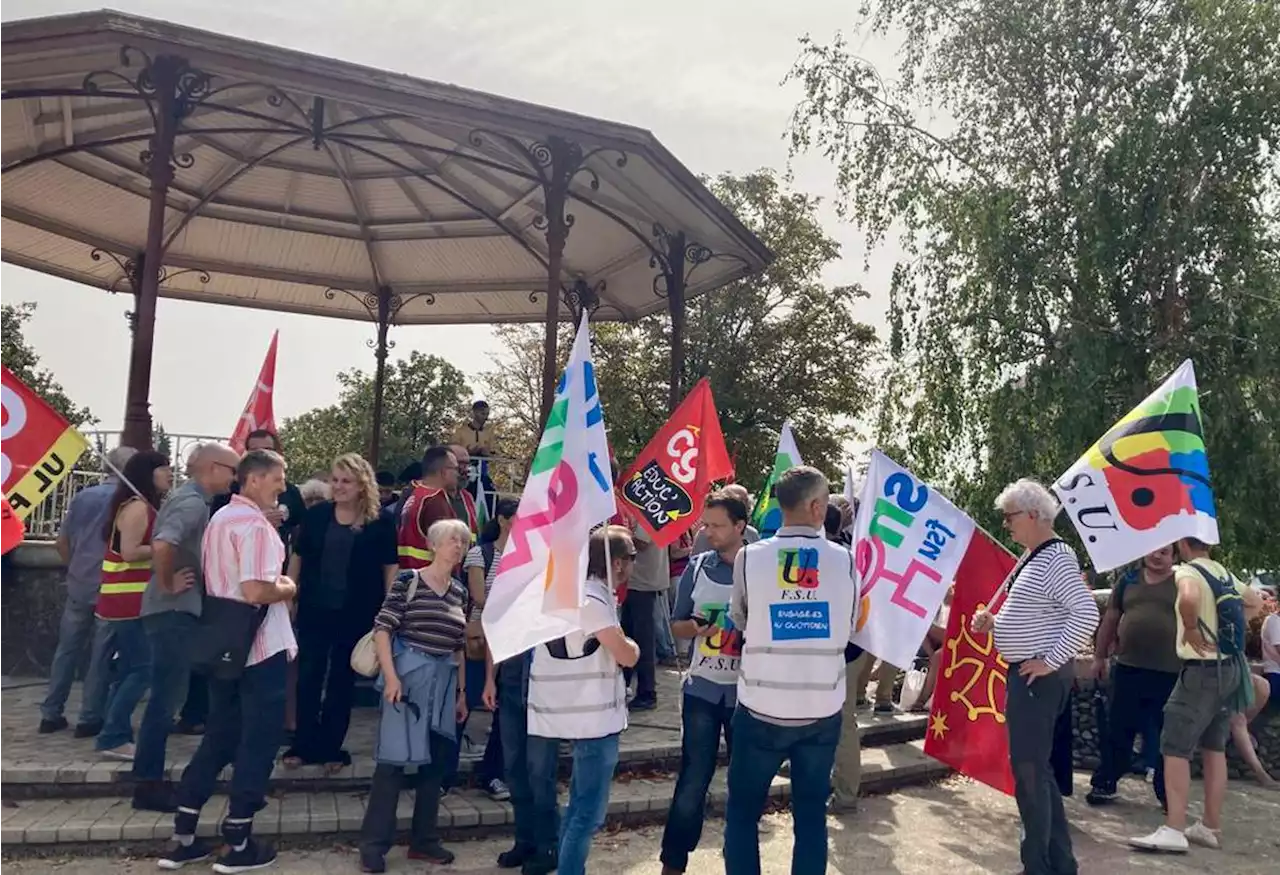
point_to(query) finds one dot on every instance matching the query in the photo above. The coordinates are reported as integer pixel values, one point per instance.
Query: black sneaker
(436, 853)
(648, 703)
(180, 855)
(56, 725)
(372, 862)
(542, 863)
(516, 857)
(183, 727)
(1101, 797)
(885, 708)
(154, 796)
(497, 790)
(88, 730)
(252, 856)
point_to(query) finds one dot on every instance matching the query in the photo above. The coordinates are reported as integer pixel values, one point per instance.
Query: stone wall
(32, 592)
(1085, 725)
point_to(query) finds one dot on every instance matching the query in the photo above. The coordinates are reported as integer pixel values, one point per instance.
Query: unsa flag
(259, 410)
(667, 485)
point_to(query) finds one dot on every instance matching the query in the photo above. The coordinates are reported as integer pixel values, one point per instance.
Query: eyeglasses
(231, 468)
(1009, 515)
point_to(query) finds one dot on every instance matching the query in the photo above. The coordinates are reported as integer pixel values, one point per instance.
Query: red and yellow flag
(668, 483)
(39, 446)
(967, 725)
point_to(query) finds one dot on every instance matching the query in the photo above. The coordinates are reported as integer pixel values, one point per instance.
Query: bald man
(171, 608)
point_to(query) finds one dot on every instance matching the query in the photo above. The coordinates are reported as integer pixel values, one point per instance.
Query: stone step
(44, 825)
(61, 767)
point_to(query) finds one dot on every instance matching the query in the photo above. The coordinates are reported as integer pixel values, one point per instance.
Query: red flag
(967, 724)
(39, 449)
(260, 411)
(12, 529)
(668, 483)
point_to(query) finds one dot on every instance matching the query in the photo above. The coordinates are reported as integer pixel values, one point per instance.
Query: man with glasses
(426, 501)
(170, 608)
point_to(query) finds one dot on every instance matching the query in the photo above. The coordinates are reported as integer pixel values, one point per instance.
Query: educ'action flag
(967, 722)
(767, 517)
(259, 410)
(667, 484)
(39, 446)
(539, 587)
(1145, 483)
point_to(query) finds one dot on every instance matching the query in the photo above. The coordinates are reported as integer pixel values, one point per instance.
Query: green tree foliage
(777, 346)
(1086, 193)
(19, 357)
(425, 398)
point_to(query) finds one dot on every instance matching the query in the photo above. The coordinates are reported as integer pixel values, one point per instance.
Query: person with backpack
(1140, 631)
(481, 566)
(1213, 608)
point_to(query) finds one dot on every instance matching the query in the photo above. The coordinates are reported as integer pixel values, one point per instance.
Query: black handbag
(224, 636)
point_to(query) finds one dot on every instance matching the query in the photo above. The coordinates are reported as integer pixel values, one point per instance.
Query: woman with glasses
(419, 636)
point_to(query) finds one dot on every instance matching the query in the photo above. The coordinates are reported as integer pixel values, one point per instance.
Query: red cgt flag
(666, 486)
(12, 529)
(260, 411)
(39, 446)
(967, 724)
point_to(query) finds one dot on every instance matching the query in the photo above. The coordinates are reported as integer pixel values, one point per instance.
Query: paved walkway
(957, 827)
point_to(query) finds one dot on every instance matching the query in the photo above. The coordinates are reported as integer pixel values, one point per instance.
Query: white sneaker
(1199, 834)
(1166, 839)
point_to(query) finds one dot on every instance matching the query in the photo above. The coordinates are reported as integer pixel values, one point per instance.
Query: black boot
(516, 857)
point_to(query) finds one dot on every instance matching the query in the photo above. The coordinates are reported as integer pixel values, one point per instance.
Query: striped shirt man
(240, 545)
(1049, 612)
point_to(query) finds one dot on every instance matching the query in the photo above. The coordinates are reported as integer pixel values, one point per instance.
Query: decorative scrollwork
(367, 300)
(202, 275)
(676, 258)
(131, 272)
(533, 297)
(581, 296)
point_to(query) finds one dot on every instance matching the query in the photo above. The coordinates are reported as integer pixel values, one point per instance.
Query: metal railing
(507, 476)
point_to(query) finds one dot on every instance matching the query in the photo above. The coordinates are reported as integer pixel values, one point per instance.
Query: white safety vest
(716, 656)
(801, 595)
(575, 685)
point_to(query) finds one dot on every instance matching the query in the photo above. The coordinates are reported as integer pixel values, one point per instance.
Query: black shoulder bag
(224, 636)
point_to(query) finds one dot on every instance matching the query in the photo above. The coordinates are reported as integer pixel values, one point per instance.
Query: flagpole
(114, 470)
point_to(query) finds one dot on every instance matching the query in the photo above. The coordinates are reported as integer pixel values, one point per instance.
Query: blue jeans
(133, 670)
(703, 722)
(80, 628)
(169, 634)
(513, 729)
(759, 750)
(594, 760)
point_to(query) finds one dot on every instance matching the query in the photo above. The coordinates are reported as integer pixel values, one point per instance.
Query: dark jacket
(373, 548)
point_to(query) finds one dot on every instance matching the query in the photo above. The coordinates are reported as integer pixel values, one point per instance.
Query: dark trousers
(759, 750)
(195, 710)
(702, 722)
(1032, 711)
(1063, 758)
(326, 683)
(1136, 706)
(245, 728)
(513, 731)
(638, 622)
(168, 635)
(491, 765)
(378, 833)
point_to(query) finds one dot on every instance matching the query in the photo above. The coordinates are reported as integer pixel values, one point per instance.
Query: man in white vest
(795, 597)
(577, 694)
(711, 686)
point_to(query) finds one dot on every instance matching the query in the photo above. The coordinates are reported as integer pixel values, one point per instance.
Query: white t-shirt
(1271, 635)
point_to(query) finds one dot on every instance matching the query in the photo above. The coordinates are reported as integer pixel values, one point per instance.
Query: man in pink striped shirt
(242, 558)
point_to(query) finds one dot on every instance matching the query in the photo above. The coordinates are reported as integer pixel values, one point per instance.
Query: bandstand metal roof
(305, 184)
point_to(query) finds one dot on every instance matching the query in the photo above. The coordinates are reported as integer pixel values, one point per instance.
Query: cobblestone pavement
(957, 827)
(29, 758)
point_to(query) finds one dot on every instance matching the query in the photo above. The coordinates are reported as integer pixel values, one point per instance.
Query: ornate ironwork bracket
(382, 307)
(582, 297)
(676, 258)
(131, 275)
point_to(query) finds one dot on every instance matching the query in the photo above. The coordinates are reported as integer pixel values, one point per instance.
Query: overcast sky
(703, 76)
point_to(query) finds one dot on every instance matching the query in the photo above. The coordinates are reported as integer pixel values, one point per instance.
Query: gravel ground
(956, 827)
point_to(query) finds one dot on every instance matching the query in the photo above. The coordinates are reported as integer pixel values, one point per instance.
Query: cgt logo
(798, 573)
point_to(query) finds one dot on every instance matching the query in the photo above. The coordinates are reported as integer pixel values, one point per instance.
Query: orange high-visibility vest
(123, 583)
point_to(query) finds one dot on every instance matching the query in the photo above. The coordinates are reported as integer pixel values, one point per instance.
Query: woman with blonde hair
(344, 561)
